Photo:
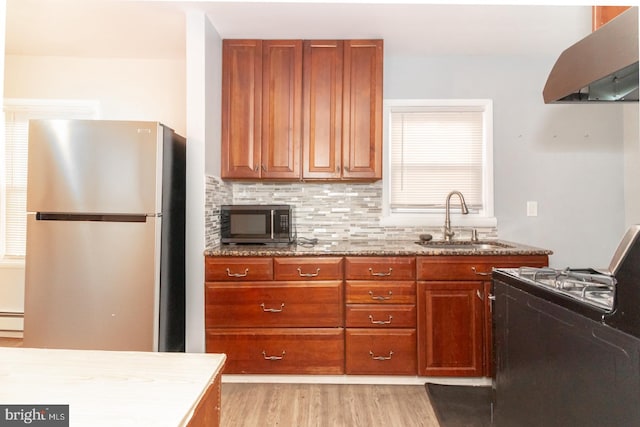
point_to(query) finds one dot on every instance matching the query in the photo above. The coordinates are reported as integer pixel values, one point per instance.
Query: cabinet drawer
(279, 351)
(380, 293)
(380, 316)
(315, 304)
(238, 269)
(381, 352)
(294, 268)
(471, 268)
(380, 268)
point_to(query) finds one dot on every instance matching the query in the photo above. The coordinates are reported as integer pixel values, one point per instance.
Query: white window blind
(13, 158)
(435, 150)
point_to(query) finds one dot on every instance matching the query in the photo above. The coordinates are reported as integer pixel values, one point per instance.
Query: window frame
(60, 108)
(435, 217)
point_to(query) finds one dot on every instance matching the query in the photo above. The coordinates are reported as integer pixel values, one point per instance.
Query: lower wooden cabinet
(404, 315)
(279, 350)
(454, 312)
(380, 351)
(274, 304)
(273, 315)
(380, 315)
(451, 325)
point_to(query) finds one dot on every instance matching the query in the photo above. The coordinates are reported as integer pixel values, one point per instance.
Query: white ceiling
(156, 29)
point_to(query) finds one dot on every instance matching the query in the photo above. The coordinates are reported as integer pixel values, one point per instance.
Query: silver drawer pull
(264, 354)
(230, 274)
(380, 297)
(479, 273)
(479, 294)
(308, 274)
(380, 322)
(272, 310)
(380, 357)
(380, 274)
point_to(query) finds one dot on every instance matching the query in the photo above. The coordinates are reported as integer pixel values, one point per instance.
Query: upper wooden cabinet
(281, 108)
(362, 110)
(241, 108)
(261, 109)
(322, 128)
(315, 103)
(342, 103)
(603, 14)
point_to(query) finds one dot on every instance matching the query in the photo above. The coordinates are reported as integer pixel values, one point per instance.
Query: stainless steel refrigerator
(105, 265)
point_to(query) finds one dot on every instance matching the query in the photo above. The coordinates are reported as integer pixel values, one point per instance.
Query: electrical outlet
(532, 208)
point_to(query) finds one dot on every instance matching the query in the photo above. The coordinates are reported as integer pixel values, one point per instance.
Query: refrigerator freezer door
(94, 166)
(83, 295)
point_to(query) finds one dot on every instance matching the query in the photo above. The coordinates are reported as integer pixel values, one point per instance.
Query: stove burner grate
(583, 285)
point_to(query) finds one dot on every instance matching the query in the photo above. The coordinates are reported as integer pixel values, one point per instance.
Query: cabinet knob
(382, 274)
(380, 322)
(346, 168)
(301, 274)
(264, 168)
(380, 297)
(230, 274)
(480, 273)
(255, 168)
(264, 354)
(272, 310)
(380, 357)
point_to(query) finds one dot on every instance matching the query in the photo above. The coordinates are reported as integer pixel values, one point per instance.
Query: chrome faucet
(448, 233)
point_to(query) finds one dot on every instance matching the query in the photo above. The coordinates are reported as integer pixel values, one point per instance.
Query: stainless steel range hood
(602, 67)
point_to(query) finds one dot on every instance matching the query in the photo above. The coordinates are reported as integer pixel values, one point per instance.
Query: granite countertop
(380, 248)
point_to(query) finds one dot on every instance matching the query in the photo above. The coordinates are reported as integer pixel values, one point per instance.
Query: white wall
(127, 89)
(568, 158)
(204, 57)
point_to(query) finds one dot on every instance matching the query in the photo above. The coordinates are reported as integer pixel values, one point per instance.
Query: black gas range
(567, 343)
(610, 295)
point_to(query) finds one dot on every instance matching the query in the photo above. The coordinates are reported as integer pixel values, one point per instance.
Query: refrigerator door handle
(45, 216)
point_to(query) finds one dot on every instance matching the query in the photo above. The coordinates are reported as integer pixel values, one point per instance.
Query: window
(13, 163)
(433, 147)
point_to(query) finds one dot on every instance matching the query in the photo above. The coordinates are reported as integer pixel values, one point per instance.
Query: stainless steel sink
(480, 246)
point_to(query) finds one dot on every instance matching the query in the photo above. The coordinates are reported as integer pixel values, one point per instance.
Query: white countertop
(110, 388)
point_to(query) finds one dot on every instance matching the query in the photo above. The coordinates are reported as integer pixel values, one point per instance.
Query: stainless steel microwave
(256, 224)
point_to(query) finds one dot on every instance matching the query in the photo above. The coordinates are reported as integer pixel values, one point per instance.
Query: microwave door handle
(273, 214)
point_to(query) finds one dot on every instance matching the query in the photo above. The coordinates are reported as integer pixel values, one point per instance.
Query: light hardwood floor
(323, 405)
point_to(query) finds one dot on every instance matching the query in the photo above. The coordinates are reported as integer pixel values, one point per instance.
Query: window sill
(12, 263)
(425, 220)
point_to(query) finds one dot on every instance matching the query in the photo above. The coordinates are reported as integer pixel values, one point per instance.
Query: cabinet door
(281, 108)
(322, 109)
(380, 352)
(488, 329)
(603, 14)
(274, 304)
(279, 350)
(362, 110)
(307, 268)
(241, 108)
(450, 327)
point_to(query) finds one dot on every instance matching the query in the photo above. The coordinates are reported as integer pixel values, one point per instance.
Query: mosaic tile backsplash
(327, 211)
